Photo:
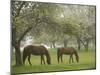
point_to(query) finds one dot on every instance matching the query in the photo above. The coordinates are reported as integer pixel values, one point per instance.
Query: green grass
(87, 61)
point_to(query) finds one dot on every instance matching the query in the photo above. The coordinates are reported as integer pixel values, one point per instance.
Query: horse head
(48, 58)
(48, 62)
(77, 58)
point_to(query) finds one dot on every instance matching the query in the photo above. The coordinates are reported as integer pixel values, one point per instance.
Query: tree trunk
(87, 45)
(65, 43)
(18, 55)
(53, 44)
(16, 44)
(78, 44)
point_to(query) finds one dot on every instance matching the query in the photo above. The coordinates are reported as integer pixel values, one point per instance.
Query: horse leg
(29, 59)
(42, 58)
(70, 58)
(61, 59)
(58, 59)
(24, 58)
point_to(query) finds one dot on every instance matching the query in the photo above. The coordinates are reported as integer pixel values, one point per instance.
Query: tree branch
(26, 31)
(18, 12)
(82, 42)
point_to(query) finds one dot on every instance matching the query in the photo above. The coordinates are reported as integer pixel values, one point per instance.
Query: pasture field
(87, 61)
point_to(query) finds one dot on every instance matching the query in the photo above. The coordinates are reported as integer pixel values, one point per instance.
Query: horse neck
(76, 54)
(47, 55)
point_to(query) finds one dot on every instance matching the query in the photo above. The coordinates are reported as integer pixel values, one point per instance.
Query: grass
(87, 61)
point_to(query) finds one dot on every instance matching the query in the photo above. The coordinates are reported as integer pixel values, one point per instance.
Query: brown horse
(67, 51)
(36, 50)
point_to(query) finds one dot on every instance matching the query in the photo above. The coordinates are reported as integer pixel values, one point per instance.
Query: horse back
(68, 50)
(35, 50)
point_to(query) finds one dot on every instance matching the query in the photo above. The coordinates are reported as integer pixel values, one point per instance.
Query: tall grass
(87, 61)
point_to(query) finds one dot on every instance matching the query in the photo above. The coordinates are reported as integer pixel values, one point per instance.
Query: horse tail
(77, 57)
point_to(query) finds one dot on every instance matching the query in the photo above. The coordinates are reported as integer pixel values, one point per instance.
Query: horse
(38, 51)
(67, 51)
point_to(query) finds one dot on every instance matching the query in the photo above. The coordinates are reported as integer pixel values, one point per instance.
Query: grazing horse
(67, 51)
(36, 50)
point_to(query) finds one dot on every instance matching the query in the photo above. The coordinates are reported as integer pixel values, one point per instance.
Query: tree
(28, 18)
(78, 20)
(15, 41)
(21, 25)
